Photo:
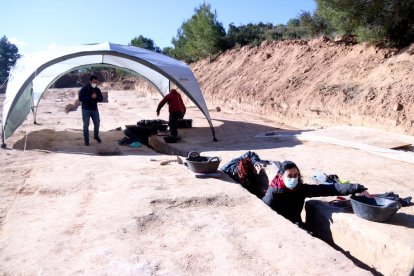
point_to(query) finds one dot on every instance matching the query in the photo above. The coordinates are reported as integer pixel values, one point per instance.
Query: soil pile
(314, 83)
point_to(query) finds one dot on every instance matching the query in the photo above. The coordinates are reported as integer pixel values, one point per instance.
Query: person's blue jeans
(94, 114)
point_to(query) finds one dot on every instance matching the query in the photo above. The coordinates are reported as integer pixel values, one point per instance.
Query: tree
(169, 51)
(200, 36)
(315, 25)
(294, 29)
(8, 56)
(146, 43)
(242, 35)
(252, 34)
(374, 21)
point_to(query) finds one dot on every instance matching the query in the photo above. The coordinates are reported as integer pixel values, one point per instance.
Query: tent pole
(34, 110)
(214, 134)
(212, 131)
(3, 145)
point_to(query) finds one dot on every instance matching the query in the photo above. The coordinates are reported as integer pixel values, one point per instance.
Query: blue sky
(35, 25)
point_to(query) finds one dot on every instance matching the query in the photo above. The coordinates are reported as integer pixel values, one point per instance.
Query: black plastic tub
(202, 164)
(160, 125)
(374, 209)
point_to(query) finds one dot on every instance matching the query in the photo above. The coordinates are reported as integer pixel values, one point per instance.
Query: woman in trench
(287, 192)
(247, 170)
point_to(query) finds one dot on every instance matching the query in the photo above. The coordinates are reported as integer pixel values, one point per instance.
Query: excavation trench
(346, 232)
(386, 248)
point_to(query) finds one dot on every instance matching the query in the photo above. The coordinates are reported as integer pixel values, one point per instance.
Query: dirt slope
(315, 83)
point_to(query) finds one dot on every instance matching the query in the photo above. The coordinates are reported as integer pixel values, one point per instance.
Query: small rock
(395, 123)
(218, 109)
(69, 107)
(324, 38)
(398, 107)
(265, 43)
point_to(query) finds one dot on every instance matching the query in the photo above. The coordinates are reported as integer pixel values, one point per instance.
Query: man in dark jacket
(287, 192)
(176, 108)
(90, 95)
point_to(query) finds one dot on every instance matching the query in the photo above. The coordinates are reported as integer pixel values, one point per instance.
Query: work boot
(86, 143)
(98, 140)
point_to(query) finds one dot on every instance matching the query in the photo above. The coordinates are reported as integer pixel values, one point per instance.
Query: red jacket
(175, 103)
(278, 183)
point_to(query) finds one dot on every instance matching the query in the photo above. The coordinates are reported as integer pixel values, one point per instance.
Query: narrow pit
(321, 227)
(382, 248)
(405, 148)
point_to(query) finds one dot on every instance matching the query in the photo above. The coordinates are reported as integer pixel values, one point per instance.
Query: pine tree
(8, 56)
(200, 36)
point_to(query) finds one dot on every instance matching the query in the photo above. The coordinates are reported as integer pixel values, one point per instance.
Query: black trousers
(174, 117)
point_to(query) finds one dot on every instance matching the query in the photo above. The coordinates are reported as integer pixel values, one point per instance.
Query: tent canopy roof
(33, 74)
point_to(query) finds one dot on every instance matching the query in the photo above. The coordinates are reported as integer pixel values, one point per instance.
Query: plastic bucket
(374, 209)
(202, 164)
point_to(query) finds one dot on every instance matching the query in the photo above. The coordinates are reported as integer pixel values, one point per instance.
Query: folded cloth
(391, 195)
(135, 145)
(323, 178)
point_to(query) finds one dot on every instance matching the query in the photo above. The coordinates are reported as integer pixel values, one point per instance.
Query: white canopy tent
(33, 74)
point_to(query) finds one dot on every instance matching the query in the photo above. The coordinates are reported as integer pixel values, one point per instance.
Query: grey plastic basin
(374, 209)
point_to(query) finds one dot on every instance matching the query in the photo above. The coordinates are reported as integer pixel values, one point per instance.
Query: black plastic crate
(185, 123)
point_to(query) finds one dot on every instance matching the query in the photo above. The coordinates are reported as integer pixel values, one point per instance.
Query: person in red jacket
(176, 108)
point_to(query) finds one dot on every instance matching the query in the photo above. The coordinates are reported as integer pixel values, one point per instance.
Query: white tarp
(33, 74)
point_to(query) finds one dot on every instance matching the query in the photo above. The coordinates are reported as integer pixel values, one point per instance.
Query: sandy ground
(104, 209)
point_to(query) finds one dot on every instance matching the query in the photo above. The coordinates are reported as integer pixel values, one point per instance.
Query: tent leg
(214, 134)
(3, 144)
(34, 110)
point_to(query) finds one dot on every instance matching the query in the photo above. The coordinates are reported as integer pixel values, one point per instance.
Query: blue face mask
(291, 183)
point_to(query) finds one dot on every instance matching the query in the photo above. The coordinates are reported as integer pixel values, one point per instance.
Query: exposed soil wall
(315, 83)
